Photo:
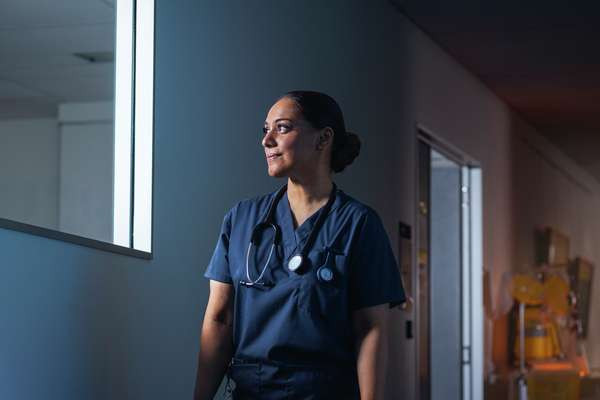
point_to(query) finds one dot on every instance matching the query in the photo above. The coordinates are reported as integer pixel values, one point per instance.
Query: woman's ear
(325, 138)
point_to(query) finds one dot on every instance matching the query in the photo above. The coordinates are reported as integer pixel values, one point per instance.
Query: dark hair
(321, 111)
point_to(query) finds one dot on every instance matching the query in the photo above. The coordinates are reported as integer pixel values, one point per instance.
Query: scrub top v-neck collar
(293, 239)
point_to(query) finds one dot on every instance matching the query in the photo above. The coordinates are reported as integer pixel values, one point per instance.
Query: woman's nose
(268, 139)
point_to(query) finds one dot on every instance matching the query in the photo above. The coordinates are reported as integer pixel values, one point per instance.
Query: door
(448, 248)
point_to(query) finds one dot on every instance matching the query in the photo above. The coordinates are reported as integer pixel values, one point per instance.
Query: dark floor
(499, 390)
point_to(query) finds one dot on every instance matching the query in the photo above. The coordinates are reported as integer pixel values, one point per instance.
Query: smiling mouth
(273, 156)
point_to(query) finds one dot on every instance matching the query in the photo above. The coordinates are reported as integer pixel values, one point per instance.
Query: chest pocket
(322, 299)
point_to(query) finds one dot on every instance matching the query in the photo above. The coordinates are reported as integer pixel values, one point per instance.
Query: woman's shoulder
(348, 206)
(354, 207)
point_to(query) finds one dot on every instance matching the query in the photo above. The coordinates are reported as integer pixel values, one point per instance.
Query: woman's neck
(309, 193)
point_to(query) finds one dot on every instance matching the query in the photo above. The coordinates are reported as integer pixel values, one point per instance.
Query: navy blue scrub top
(302, 320)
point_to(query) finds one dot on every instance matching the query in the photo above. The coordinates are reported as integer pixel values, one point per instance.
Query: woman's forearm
(371, 362)
(213, 358)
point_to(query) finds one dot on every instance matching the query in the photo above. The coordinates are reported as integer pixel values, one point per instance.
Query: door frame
(471, 260)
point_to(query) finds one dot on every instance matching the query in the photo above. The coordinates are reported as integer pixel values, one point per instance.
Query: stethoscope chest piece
(295, 263)
(325, 274)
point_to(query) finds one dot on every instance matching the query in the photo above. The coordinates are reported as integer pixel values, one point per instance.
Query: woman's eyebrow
(279, 119)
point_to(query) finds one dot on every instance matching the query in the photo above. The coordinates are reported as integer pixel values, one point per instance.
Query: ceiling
(38, 68)
(542, 58)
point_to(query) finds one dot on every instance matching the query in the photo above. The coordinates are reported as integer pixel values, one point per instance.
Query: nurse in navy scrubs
(301, 279)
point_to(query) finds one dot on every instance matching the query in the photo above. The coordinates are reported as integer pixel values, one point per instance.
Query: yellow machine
(541, 301)
(541, 338)
(555, 295)
(543, 307)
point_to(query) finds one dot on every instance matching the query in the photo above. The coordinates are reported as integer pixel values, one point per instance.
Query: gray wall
(81, 323)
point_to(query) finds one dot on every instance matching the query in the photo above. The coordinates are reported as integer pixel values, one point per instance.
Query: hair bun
(346, 153)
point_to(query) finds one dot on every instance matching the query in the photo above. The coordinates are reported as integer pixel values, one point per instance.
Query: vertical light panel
(144, 111)
(123, 123)
(467, 350)
(477, 281)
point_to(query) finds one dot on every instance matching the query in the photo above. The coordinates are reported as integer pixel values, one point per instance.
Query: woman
(301, 279)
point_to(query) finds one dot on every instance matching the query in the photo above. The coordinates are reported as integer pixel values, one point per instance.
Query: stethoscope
(297, 261)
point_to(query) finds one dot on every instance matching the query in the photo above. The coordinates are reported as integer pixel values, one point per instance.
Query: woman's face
(290, 142)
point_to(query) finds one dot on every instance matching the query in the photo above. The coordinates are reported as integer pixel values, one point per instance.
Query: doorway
(449, 302)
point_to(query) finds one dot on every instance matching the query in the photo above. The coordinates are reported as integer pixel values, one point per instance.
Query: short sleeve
(218, 267)
(374, 275)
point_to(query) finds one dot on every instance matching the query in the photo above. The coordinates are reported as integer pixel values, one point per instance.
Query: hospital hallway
(528, 335)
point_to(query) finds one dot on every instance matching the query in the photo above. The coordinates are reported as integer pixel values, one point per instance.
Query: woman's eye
(281, 128)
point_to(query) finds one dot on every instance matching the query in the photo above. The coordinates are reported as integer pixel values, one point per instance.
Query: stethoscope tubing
(250, 281)
(268, 221)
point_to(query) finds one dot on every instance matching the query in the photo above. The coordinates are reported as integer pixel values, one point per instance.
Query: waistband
(259, 379)
(281, 364)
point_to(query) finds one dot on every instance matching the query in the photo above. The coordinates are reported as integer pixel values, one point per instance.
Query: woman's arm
(370, 329)
(215, 341)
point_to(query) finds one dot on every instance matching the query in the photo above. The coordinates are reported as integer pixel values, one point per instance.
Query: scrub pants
(269, 381)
